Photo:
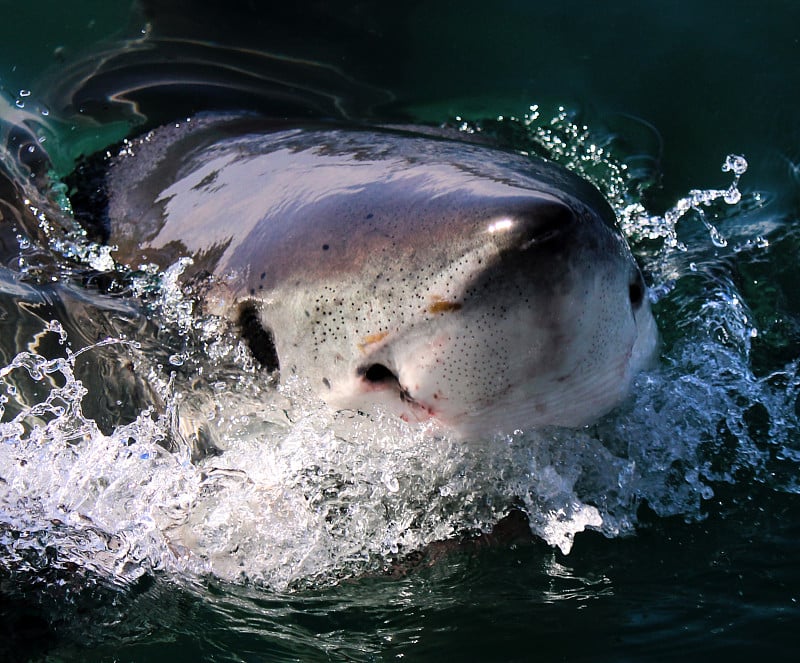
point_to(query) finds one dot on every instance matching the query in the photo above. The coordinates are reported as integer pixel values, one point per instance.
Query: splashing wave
(299, 495)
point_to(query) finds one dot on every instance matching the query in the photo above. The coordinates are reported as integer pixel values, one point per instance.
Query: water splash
(637, 224)
(288, 494)
(303, 496)
(565, 140)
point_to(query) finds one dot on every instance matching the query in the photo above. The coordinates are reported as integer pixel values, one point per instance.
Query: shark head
(476, 288)
(543, 319)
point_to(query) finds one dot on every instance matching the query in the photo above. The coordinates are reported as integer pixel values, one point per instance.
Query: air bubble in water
(177, 359)
(391, 482)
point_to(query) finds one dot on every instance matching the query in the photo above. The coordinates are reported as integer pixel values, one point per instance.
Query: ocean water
(667, 529)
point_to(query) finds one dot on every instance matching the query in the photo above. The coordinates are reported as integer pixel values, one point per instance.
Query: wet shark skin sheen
(469, 286)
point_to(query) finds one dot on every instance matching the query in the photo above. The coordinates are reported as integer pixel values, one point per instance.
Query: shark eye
(636, 292)
(258, 338)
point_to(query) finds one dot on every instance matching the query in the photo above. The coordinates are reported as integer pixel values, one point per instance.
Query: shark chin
(460, 285)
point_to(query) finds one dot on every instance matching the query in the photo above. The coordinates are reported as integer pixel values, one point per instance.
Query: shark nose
(541, 221)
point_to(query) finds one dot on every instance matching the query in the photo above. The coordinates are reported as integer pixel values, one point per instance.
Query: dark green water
(680, 85)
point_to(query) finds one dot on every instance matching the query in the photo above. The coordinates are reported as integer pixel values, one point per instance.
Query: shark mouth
(378, 377)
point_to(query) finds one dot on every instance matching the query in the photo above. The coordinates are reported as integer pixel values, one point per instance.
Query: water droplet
(176, 360)
(732, 196)
(717, 238)
(390, 481)
(56, 327)
(735, 163)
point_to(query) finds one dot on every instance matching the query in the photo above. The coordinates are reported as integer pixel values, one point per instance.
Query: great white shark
(474, 287)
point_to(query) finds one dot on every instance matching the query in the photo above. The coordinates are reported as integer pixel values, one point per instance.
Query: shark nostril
(376, 373)
(382, 377)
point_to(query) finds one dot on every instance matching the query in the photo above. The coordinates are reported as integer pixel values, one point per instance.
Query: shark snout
(534, 223)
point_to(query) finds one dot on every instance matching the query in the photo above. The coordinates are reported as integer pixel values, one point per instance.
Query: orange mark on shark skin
(440, 305)
(371, 339)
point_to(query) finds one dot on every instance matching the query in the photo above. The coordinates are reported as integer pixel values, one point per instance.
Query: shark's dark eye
(636, 292)
(258, 338)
